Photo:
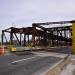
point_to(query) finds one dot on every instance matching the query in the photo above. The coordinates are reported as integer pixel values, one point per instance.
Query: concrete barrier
(57, 68)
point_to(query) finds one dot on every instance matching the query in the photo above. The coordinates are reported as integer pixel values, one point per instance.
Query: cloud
(25, 12)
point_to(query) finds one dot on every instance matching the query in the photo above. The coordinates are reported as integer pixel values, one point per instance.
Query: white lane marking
(22, 60)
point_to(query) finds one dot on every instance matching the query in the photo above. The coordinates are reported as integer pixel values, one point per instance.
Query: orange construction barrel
(2, 50)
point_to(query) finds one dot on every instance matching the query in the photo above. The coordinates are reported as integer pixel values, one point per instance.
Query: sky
(22, 13)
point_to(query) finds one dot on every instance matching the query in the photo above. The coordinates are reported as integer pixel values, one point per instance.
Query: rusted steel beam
(20, 38)
(24, 39)
(28, 39)
(17, 38)
(45, 38)
(5, 37)
(60, 28)
(7, 31)
(33, 35)
(11, 38)
(2, 36)
(36, 25)
(60, 22)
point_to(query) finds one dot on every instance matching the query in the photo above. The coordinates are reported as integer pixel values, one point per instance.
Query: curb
(58, 67)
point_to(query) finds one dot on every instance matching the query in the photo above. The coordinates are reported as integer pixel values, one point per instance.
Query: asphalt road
(65, 50)
(30, 64)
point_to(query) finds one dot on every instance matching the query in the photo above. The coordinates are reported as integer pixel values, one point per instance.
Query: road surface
(30, 64)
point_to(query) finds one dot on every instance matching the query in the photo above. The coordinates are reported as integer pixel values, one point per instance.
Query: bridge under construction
(42, 34)
(49, 34)
(43, 49)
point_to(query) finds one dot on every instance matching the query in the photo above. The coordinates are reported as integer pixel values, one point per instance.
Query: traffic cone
(2, 51)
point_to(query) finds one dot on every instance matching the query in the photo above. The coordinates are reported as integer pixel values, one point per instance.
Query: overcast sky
(22, 13)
